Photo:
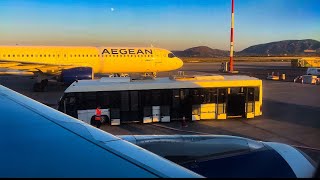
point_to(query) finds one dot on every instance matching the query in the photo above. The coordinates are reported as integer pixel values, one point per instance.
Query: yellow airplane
(70, 63)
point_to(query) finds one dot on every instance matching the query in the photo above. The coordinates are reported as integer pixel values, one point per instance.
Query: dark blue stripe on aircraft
(266, 163)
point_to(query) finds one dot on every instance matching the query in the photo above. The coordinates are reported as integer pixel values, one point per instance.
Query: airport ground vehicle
(313, 71)
(164, 99)
(69, 63)
(306, 62)
(38, 141)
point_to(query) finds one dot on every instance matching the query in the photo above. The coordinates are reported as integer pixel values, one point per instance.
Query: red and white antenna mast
(231, 36)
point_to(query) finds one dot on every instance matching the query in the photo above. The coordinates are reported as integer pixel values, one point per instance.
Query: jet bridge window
(171, 55)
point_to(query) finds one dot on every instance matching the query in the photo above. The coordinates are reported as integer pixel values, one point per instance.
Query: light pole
(231, 36)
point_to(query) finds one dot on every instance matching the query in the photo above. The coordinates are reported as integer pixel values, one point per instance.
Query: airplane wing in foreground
(38, 141)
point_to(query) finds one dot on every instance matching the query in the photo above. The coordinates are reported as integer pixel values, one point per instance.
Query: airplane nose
(179, 63)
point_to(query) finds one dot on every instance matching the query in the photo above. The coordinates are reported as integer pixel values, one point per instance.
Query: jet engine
(68, 76)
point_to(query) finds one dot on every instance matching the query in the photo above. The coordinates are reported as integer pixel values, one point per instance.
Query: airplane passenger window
(18, 55)
(79, 55)
(31, 55)
(8, 55)
(90, 55)
(170, 55)
(13, 55)
(43, 56)
(48, 55)
(53, 55)
(27, 55)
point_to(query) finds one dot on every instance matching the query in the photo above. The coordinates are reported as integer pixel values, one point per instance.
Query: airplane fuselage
(101, 59)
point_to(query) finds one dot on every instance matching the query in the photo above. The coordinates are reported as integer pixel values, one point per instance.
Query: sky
(170, 24)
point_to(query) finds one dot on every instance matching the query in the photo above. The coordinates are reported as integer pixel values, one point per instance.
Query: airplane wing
(38, 141)
(31, 67)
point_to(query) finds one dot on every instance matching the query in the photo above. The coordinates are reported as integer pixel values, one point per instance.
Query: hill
(306, 47)
(283, 48)
(201, 51)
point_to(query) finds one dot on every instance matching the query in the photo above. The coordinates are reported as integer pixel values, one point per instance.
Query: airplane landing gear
(39, 87)
(119, 75)
(150, 75)
(154, 74)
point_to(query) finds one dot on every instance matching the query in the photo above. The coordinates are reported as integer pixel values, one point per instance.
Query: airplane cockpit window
(171, 55)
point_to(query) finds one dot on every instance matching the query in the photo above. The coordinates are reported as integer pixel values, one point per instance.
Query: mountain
(280, 48)
(201, 51)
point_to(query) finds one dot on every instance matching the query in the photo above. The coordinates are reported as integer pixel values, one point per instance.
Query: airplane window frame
(172, 55)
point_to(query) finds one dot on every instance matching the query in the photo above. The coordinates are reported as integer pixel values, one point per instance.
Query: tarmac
(291, 111)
